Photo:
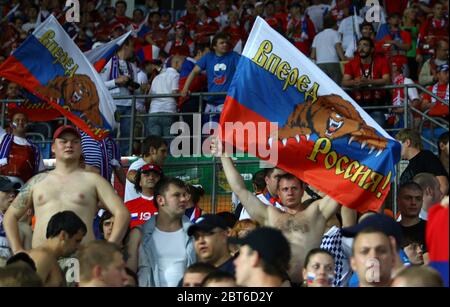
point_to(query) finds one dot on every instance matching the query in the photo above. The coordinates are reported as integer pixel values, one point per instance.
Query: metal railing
(407, 109)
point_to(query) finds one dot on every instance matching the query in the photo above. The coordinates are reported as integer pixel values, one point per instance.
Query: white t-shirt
(19, 141)
(325, 44)
(170, 256)
(130, 192)
(347, 27)
(165, 83)
(316, 14)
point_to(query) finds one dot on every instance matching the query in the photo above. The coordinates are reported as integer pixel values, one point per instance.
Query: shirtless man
(303, 226)
(67, 187)
(65, 231)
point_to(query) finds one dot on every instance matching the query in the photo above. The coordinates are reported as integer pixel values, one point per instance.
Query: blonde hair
(244, 224)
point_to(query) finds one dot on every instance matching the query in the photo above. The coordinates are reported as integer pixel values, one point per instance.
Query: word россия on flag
(49, 65)
(280, 100)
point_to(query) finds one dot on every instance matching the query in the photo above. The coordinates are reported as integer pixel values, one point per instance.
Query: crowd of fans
(284, 232)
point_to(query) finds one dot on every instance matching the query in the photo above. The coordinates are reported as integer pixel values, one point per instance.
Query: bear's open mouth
(333, 126)
(77, 97)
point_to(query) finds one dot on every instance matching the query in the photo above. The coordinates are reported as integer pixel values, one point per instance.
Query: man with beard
(367, 69)
(142, 208)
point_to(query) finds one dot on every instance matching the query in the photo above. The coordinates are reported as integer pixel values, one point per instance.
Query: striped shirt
(101, 154)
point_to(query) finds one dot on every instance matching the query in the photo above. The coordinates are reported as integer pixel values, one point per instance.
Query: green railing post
(132, 120)
(214, 187)
(405, 106)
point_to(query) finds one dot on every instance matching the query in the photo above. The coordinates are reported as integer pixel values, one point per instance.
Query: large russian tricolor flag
(51, 66)
(102, 54)
(318, 133)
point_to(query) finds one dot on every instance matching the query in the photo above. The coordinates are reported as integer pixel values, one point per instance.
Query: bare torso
(56, 192)
(303, 230)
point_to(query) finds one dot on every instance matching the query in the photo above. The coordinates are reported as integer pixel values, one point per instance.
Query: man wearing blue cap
(375, 251)
(210, 241)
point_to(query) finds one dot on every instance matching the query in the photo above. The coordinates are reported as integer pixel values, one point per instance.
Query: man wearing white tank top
(164, 248)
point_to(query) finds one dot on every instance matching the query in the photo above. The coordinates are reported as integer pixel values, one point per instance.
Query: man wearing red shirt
(435, 28)
(205, 28)
(440, 89)
(235, 30)
(182, 44)
(142, 208)
(121, 18)
(367, 69)
(395, 43)
(300, 29)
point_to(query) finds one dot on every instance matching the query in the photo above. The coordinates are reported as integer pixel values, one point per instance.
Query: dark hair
(258, 180)
(367, 39)
(217, 275)
(153, 14)
(313, 252)
(278, 267)
(137, 181)
(328, 22)
(195, 192)
(24, 258)
(105, 216)
(365, 24)
(163, 185)
(410, 185)
(200, 48)
(289, 176)
(268, 171)
(151, 141)
(443, 138)
(200, 267)
(229, 218)
(138, 10)
(123, 2)
(220, 35)
(66, 221)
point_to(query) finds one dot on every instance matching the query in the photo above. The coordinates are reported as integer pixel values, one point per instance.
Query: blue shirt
(219, 71)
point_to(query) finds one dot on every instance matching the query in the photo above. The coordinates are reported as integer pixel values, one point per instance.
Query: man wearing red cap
(182, 44)
(142, 208)
(67, 187)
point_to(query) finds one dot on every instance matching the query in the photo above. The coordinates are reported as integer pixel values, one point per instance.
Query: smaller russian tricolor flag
(134, 216)
(147, 53)
(101, 55)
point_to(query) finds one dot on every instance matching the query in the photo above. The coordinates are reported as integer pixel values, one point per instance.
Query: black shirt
(228, 266)
(424, 161)
(416, 232)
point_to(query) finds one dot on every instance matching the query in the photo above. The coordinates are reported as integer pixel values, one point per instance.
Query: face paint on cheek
(310, 278)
